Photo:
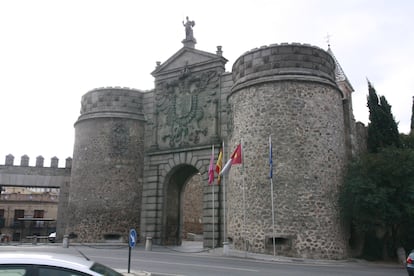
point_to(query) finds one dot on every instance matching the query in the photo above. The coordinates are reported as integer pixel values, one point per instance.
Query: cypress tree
(382, 129)
(412, 118)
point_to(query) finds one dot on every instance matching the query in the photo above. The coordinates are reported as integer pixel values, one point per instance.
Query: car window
(16, 270)
(104, 270)
(57, 271)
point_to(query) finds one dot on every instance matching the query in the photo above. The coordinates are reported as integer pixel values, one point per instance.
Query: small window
(18, 214)
(38, 213)
(278, 241)
(104, 270)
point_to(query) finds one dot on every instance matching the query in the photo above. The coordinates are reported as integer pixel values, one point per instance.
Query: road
(172, 261)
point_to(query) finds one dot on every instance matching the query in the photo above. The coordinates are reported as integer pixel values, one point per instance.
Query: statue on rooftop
(189, 29)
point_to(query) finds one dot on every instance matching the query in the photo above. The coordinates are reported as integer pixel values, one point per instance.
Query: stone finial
(158, 64)
(54, 162)
(24, 161)
(219, 52)
(39, 161)
(9, 160)
(68, 164)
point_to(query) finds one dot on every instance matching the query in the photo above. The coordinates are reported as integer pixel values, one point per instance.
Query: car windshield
(104, 270)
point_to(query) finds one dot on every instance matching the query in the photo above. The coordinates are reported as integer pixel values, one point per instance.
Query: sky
(54, 51)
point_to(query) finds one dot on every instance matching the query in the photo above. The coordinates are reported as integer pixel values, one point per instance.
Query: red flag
(236, 158)
(211, 167)
(237, 155)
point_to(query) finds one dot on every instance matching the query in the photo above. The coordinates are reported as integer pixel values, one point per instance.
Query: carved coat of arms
(181, 107)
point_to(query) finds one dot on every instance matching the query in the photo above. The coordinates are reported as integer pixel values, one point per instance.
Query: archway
(192, 209)
(183, 205)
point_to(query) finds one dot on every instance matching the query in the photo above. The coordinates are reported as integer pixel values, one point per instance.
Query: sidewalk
(197, 247)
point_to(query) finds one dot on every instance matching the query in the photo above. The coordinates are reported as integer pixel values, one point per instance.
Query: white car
(52, 237)
(50, 264)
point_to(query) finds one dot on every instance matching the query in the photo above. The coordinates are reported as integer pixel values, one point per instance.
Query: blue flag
(270, 157)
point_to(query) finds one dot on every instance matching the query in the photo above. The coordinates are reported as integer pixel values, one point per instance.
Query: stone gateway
(136, 152)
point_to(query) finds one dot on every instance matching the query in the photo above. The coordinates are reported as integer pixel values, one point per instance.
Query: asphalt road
(180, 261)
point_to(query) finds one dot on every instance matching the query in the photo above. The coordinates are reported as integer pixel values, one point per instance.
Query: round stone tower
(107, 168)
(287, 91)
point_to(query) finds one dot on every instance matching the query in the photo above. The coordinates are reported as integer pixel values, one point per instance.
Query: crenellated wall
(34, 176)
(24, 161)
(135, 152)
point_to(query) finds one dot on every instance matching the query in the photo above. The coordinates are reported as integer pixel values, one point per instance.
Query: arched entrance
(183, 205)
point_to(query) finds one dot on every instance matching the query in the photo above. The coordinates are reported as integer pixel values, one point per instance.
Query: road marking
(209, 266)
(184, 264)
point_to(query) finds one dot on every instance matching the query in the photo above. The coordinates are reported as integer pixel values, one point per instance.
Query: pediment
(188, 57)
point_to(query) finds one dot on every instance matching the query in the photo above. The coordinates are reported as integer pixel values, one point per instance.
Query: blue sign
(132, 237)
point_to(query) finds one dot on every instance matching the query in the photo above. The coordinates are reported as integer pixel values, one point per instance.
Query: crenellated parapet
(285, 61)
(24, 161)
(112, 102)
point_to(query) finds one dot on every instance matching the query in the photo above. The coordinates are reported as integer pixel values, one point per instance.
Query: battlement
(24, 161)
(112, 102)
(115, 88)
(283, 61)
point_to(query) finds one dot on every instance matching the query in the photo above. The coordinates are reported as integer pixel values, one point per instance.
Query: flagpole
(224, 205)
(212, 193)
(271, 193)
(212, 189)
(244, 200)
(273, 218)
(236, 158)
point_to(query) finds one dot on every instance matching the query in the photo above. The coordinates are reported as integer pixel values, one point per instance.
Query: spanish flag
(219, 165)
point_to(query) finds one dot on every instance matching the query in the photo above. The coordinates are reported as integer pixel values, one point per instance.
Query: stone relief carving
(182, 105)
(120, 139)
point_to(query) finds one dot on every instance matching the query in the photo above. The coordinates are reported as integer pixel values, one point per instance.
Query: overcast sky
(54, 51)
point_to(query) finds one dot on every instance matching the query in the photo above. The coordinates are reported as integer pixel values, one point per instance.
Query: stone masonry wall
(193, 207)
(107, 169)
(288, 92)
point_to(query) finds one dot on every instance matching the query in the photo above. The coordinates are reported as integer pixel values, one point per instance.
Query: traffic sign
(132, 238)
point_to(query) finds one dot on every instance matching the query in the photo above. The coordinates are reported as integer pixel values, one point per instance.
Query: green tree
(378, 192)
(378, 196)
(382, 129)
(412, 118)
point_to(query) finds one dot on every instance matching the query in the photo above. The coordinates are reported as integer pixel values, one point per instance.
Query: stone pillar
(9, 160)
(24, 161)
(39, 161)
(68, 163)
(54, 162)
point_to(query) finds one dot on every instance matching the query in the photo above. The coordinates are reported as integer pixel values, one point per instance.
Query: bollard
(225, 248)
(148, 244)
(65, 242)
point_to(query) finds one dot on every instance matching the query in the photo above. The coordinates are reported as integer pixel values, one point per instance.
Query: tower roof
(339, 72)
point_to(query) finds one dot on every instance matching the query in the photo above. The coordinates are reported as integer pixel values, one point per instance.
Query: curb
(135, 273)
